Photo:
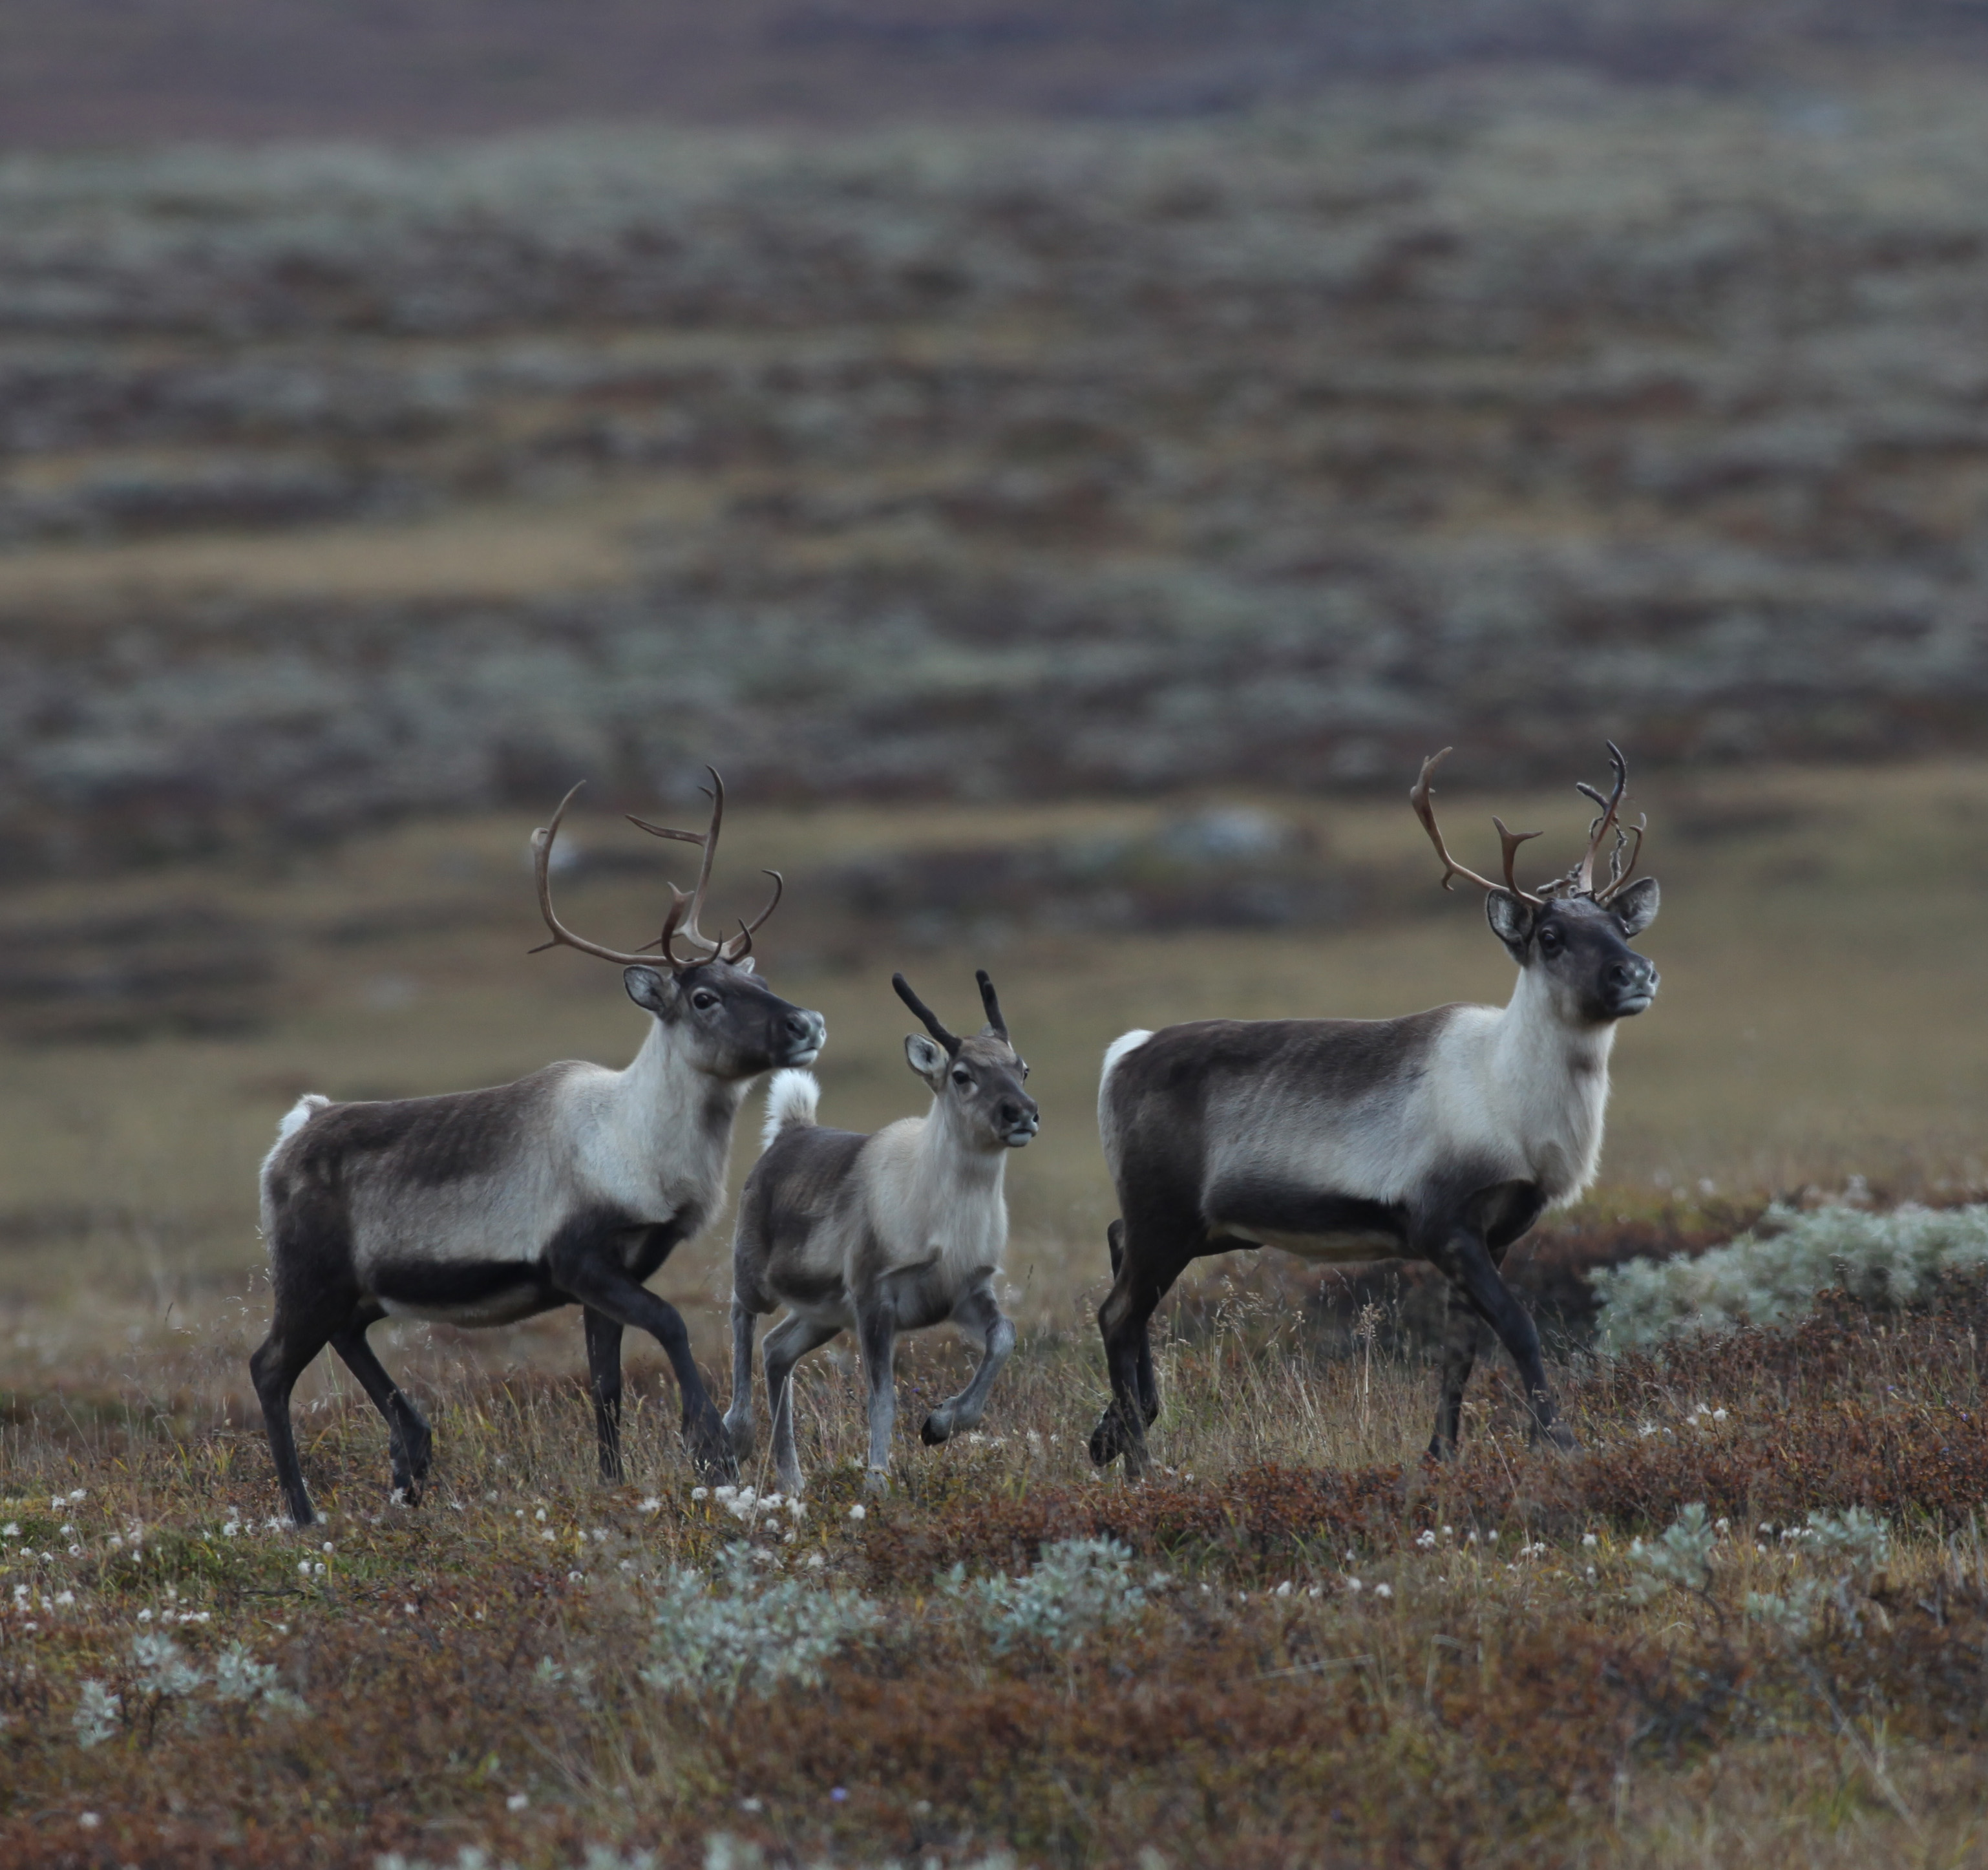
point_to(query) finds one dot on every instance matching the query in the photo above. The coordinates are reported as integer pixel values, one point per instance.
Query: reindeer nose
(1631, 976)
(806, 1031)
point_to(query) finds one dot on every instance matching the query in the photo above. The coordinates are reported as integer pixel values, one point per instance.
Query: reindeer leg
(606, 1288)
(978, 1313)
(876, 1333)
(1463, 1257)
(787, 1343)
(1152, 1256)
(409, 1440)
(603, 1370)
(1149, 1388)
(1459, 1354)
(280, 1360)
(739, 1418)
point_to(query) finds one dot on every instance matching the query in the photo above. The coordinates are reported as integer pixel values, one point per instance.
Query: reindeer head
(1577, 933)
(978, 1081)
(732, 1025)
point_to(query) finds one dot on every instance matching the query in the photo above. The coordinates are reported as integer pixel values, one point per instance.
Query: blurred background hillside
(1065, 465)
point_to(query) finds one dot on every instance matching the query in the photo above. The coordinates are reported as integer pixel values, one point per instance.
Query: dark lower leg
(409, 1440)
(1459, 1355)
(604, 1373)
(609, 1290)
(282, 1357)
(1470, 1267)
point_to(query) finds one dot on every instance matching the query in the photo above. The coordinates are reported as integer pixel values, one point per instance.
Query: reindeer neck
(946, 1157)
(661, 1089)
(1539, 1039)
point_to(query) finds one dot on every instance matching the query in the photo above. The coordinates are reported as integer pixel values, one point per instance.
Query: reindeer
(885, 1233)
(1442, 1136)
(570, 1187)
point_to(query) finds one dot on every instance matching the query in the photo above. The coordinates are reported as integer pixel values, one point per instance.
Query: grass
(1344, 1655)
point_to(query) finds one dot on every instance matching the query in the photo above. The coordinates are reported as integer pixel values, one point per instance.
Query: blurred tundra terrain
(339, 484)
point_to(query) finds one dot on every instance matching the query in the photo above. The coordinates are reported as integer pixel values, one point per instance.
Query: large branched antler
(685, 910)
(734, 948)
(1422, 799)
(1578, 880)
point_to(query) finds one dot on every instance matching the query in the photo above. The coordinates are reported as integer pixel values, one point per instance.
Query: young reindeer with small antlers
(885, 1233)
(1442, 1136)
(570, 1187)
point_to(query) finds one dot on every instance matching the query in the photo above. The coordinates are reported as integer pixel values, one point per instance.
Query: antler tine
(995, 1024)
(740, 946)
(1420, 797)
(541, 853)
(925, 1013)
(1620, 873)
(1508, 842)
(1584, 878)
(707, 839)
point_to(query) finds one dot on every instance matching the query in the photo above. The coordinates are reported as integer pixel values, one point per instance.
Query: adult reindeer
(570, 1187)
(1442, 1136)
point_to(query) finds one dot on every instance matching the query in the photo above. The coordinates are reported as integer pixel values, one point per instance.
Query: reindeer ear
(1511, 921)
(652, 989)
(927, 1057)
(1636, 908)
(746, 965)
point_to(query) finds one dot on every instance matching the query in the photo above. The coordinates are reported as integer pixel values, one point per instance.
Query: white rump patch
(300, 1114)
(1116, 1049)
(792, 1097)
(294, 1120)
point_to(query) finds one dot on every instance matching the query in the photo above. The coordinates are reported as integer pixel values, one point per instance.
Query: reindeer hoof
(935, 1429)
(876, 1482)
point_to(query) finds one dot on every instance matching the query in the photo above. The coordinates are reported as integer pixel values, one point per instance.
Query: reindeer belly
(1310, 1223)
(470, 1292)
(1374, 1244)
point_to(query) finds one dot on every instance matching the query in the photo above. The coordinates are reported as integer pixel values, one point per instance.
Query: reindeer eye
(704, 1000)
(1551, 940)
(961, 1079)
(1025, 1071)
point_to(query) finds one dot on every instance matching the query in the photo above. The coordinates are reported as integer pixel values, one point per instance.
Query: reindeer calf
(885, 1233)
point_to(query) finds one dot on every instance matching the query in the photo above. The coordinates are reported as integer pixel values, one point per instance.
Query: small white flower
(1384, 1590)
(68, 1531)
(1719, 1415)
(145, 1616)
(88, 1820)
(859, 1511)
(303, 1565)
(517, 1801)
(539, 1515)
(79, 1496)
(65, 1597)
(327, 1545)
(11, 1530)
(1352, 1583)
(76, 1551)
(654, 1505)
(1284, 1589)
(410, 1609)
(575, 1577)
(1426, 1540)
(1588, 1538)
(815, 1561)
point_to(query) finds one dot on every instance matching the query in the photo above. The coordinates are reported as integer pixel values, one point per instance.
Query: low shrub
(1771, 1275)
